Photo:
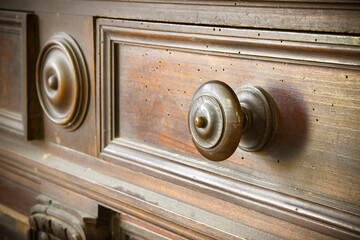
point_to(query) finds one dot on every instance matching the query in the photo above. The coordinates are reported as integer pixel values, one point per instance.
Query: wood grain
(19, 108)
(155, 203)
(148, 77)
(326, 16)
(80, 29)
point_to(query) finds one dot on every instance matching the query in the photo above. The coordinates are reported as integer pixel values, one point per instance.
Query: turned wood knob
(221, 120)
(62, 81)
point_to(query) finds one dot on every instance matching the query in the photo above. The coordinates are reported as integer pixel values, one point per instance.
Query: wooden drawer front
(17, 64)
(148, 73)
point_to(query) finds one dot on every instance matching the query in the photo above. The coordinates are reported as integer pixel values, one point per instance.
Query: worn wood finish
(324, 15)
(80, 28)
(50, 219)
(16, 199)
(12, 224)
(171, 65)
(19, 111)
(186, 212)
(131, 165)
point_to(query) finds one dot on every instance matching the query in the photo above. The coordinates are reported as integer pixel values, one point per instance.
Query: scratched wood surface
(316, 151)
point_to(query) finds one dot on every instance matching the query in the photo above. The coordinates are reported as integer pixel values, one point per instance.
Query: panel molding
(336, 52)
(324, 15)
(26, 122)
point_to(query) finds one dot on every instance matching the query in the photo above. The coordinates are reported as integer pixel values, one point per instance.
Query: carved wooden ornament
(51, 220)
(62, 81)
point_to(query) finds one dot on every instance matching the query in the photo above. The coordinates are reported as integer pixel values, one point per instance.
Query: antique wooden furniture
(107, 109)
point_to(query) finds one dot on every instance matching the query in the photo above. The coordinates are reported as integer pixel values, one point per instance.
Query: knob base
(263, 114)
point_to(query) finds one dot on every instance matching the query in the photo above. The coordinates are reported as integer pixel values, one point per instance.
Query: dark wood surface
(152, 105)
(19, 109)
(323, 15)
(132, 165)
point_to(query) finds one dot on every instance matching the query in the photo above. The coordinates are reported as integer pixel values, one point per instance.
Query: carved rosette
(62, 81)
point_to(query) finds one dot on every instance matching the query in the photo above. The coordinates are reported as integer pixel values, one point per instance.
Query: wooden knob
(62, 81)
(215, 120)
(221, 120)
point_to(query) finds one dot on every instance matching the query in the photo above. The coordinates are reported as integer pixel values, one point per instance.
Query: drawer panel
(148, 73)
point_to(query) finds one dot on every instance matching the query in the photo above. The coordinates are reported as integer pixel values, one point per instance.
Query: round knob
(62, 81)
(220, 120)
(215, 120)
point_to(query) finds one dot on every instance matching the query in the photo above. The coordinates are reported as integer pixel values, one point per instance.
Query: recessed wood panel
(148, 74)
(19, 108)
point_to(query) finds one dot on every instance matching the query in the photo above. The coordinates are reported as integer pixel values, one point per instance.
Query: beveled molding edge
(180, 170)
(23, 123)
(313, 49)
(65, 171)
(316, 216)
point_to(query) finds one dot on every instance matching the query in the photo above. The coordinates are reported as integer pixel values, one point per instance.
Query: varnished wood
(19, 107)
(165, 98)
(324, 15)
(62, 81)
(115, 187)
(131, 165)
